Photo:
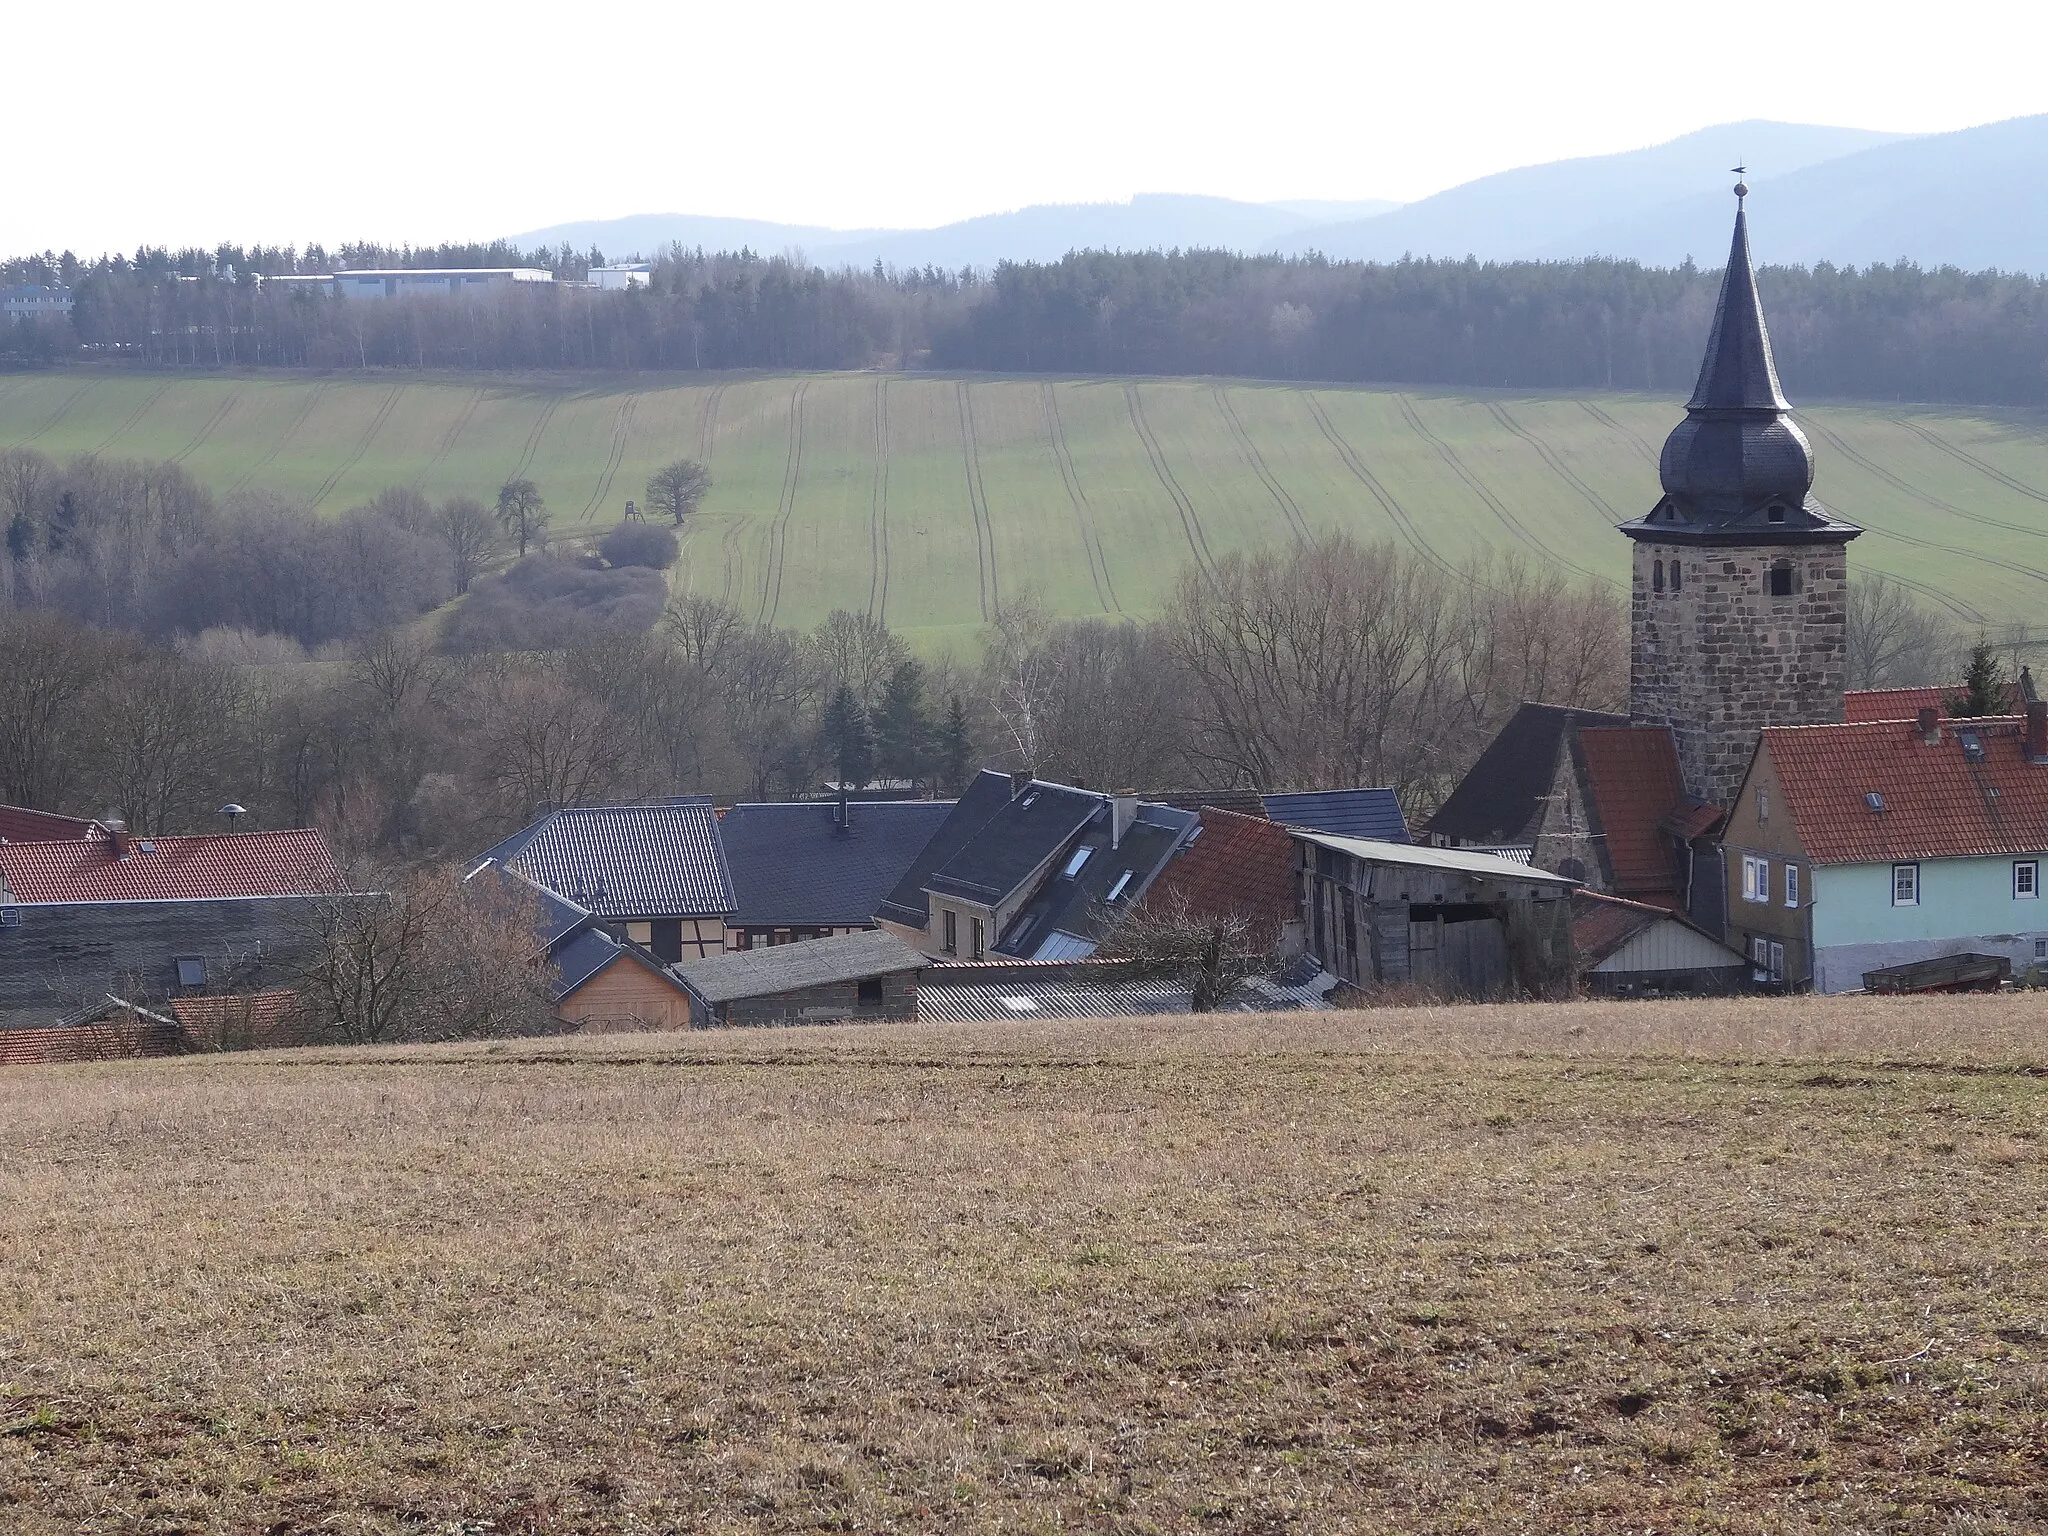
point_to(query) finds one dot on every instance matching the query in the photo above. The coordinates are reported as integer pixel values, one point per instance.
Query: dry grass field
(1752, 1266)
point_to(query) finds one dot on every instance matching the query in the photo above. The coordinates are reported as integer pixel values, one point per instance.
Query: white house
(635, 274)
(405, 282)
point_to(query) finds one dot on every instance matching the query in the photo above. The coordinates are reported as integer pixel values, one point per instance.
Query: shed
(1635, 949)
(1467, 924)
(860, 977)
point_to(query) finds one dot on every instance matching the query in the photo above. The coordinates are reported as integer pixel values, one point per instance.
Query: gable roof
(792, 866)
(21, 824)
(1500, 801)
(907, 903)
(1373, 813)
(215, 867)
(1632, 776)
(1014, 842)
(1069, 914)
(1238, 865)
(660, 859)
(1467, 861)
(1937, 803)
(1864, 704)
(1601, 925)
(260, 1013)
(790, 967)
(1246, 802)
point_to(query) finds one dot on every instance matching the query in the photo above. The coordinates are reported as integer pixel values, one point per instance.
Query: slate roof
(791, 967)
(1500, 801)
(1373, 813)
(1632, 775)
(218, 866)
(792, 867)
(661, 859)
(1246, 802)
(1238, 865)
(907, 903)
(1015, 841)
(1069, 915)
(19, 824)
(1937, 803)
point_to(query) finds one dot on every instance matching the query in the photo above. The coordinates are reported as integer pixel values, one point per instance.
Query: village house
(653, 873)
(1859, 846)
(1031, 870)
(1633, 949)
(810, 869)
(866, 977)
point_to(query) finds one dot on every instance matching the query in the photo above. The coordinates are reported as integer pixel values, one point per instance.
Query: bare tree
(522, 513)
(1894, 642)
(161, 742)
(1212, 954)
(467, 530)
(858, 651)
(678, 488)
(544, 742)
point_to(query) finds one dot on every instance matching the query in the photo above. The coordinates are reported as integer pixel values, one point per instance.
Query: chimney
(1020, 780)
(1930, 725)
(2037, 731)
(1123, 810)
(841, 824)
(117, 833)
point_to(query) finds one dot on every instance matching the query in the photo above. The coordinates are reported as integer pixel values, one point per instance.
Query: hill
(929, 499)
(1742, 1266)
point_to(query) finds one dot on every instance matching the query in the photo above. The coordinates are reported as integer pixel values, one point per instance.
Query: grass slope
(929, 499)
(1740, 1267)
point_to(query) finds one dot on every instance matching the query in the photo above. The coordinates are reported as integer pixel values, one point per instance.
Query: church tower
(1739, 613)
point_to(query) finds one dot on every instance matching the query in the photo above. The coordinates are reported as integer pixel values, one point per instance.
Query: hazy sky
(429, 121)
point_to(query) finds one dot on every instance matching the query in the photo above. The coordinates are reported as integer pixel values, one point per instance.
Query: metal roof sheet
(995, 1001)
(790, 967)
(1463, 860)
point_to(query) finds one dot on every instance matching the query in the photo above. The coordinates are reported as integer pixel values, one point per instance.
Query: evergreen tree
(902, 724)
(846, 741)
(1984, 690)
(956, 748)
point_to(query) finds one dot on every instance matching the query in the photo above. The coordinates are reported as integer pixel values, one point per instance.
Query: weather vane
(1741, 187)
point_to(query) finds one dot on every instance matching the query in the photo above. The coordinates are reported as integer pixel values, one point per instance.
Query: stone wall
(1720, 658)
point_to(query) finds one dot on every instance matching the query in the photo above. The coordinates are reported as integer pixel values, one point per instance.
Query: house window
(2026, 879)
(1074, 864)
(2041, 949)
(1778, 580)
(1905, 885)
(869, 991)
(1777, 958)
(1760, 958)
(1756, 878)
(1763, 802)
(191, 970)
(949, 923)
(980, 947)
(1791, 885)
(1657, 577)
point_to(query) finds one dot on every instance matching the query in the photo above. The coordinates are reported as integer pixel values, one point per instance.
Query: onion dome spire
(1738, 469)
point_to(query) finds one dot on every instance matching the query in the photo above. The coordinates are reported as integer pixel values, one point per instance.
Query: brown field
(1755, 1266)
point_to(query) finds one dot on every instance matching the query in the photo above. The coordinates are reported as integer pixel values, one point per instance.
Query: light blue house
(1855, 847)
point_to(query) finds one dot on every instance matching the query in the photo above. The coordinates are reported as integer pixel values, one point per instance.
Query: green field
(928, 499)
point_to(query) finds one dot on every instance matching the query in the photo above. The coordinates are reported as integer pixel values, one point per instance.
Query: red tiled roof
(19, 824)
(254, 1020)
(1240, 864)
(1866, 704)
(1632, 771)
(206, 868)
(1602, 924)
(1936, 802)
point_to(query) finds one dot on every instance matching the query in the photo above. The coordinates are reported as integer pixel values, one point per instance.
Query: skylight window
(1080, 857)
(1123, 882)
(1874, 800)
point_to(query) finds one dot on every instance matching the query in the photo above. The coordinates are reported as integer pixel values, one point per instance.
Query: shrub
(640, 544)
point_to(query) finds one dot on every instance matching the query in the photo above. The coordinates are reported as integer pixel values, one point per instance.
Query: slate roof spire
(1738, 470)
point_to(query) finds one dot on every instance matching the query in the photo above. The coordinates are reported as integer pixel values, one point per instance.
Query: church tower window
(1657, 581)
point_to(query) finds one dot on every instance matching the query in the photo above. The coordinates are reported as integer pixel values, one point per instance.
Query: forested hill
(1888, 333)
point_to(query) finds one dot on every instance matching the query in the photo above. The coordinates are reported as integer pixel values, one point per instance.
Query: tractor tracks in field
(199, 438)
(133, 417)
(1091, 537)
(277, 444)
(1248, 451)
(1402, 519)
(1558, 467)
(63, 409)
(448, 438)
(1457, 466)
(878, 511)
(622, 425)
(778, 531)
(977, 501)
(1619, 430)
(533, 437)
(384, 410)
(1964, 456)
(1870, 466)
(1191, 525)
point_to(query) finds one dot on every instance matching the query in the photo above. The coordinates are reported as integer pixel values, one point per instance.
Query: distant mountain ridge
(1973, 198)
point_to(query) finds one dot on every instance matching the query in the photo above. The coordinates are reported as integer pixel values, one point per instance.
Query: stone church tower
(1739, 613)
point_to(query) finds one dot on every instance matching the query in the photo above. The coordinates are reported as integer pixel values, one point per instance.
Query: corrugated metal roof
(1464, 860)
(1048, 1000)
(216, 867)
(1373, 813)
(629, 861)
(788, 967)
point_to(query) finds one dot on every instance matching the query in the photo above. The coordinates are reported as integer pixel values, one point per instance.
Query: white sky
(428, 120)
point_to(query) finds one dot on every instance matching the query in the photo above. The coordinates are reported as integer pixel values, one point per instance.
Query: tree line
(1881, 332)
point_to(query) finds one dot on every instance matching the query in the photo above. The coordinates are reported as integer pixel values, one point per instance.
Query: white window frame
(1910, 887)
(1077, 861)
(1791, 884)
(1756, 877)
(1777, 961)
(2026, 879)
